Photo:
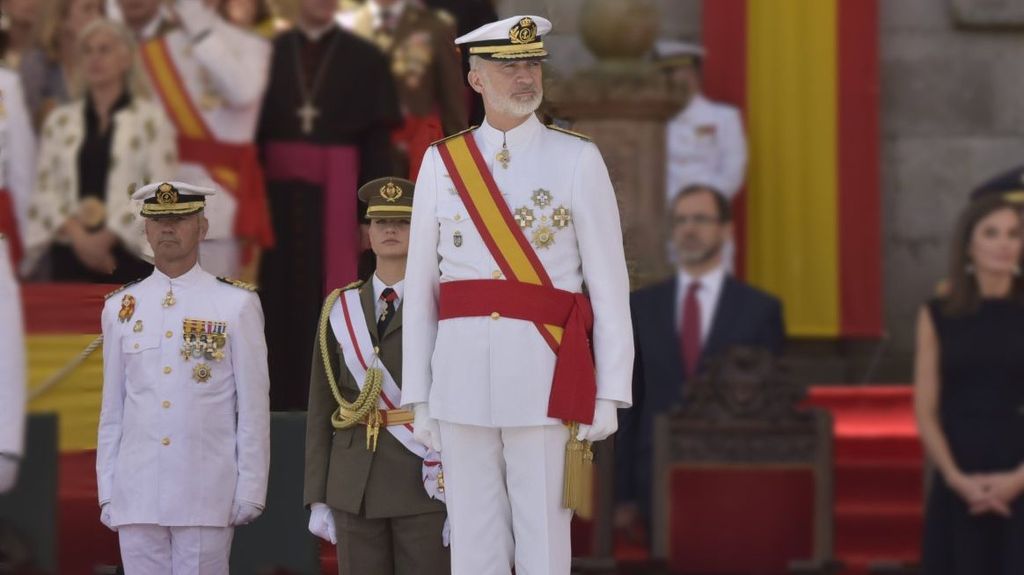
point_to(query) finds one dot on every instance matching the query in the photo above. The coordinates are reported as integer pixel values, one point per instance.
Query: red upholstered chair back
(742, 478)
(736, 519)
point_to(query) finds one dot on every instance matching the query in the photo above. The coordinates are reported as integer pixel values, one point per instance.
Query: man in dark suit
(678, 325)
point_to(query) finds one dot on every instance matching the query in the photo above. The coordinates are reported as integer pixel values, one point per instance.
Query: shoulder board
(238, 283)
(570, 132)
(353, 285)
(122, 288)
(455, 135)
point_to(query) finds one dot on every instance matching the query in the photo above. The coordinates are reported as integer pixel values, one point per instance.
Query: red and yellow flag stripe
(809, 221)
(489, 212)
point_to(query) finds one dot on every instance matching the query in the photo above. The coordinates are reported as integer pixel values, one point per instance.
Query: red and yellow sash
(573, 388)
(235, 167)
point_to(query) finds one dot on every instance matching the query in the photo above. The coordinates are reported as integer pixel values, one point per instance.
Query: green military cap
(387, 198)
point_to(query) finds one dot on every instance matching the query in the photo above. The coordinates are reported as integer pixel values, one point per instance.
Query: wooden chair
(743, 480)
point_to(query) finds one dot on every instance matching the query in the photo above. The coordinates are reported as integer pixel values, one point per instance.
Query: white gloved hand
(105, 517)
(426, 430)
(606, 421)
(245, 513)
(8, 473)
(321, 523)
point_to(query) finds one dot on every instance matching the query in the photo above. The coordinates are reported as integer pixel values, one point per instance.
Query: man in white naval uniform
(706, 138)
(12, 373)
(210, 76)
(184, 437)
(17, 163)
(480, 382)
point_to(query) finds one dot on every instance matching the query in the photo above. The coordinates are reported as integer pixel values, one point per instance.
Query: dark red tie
(388, 296)
(690, 331)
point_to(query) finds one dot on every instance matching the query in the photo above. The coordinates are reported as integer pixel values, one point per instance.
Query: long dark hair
(964, 295)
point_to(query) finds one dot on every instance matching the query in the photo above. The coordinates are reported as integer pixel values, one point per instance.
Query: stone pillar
(623, 104)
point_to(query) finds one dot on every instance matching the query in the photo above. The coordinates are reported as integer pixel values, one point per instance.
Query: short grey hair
(474, 62)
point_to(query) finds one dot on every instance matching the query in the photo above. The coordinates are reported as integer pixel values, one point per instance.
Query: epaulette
(583, 137)
(353, 285)
(122, 288)
(446, 138)
(238, 283)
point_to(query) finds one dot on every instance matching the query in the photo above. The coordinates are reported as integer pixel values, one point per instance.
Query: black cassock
(326, 125)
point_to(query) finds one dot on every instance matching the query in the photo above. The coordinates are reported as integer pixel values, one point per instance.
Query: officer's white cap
(515, 38)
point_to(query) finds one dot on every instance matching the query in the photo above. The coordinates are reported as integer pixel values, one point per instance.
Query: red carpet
(879, 481)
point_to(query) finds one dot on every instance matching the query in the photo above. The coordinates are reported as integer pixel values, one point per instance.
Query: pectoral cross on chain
(308, 114)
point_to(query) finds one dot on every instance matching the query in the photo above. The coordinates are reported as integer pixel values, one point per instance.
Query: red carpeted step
(878, 481)
(882, 532)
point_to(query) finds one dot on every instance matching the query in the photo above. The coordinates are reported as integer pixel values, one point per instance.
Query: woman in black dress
(969, 399)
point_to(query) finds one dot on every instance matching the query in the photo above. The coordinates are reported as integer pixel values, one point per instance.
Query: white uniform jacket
(481, 371)
(706, 140)
(225, 73)
(12, 359)
(17, 146)
(175, 448)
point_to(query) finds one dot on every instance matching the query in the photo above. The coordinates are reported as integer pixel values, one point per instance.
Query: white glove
(8, 473)
(105, 517)
(606, 421)
(321, 523)
(245, 513)
(426, 430)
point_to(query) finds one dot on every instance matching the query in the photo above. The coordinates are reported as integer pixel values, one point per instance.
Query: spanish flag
(805, 75)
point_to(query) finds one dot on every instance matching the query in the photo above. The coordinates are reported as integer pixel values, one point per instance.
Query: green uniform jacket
(340, 471)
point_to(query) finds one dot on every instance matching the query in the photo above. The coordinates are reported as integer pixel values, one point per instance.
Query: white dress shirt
(378, 288)
(707, 298)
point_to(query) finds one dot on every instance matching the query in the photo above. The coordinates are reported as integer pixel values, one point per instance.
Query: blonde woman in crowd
(94, 152)
(48, 67)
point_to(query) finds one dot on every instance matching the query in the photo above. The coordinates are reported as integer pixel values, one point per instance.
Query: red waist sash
(574, 385)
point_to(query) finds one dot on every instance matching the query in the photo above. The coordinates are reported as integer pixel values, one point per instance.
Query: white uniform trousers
(222, 257)
(503, 487)
(155, 550)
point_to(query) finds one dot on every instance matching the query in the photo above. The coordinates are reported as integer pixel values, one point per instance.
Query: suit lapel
(369, 309)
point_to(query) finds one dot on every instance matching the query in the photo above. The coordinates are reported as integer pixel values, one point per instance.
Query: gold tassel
(578, 488)
(373, 420)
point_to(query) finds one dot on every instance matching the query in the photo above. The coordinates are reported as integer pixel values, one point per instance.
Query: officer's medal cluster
(203, 339)
(548, 224)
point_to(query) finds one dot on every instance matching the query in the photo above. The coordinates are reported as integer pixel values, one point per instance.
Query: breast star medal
(201, 373)
(543, 237)
(127, 308)
(541, 198)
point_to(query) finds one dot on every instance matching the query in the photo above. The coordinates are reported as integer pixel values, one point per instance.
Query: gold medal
(562, 217)
(169, 299)
(541, 198)
(524, 217)
(201, 373)
(544, 237)
(127, 308)
(504, 157)
(138, 326)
